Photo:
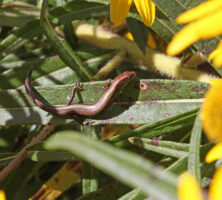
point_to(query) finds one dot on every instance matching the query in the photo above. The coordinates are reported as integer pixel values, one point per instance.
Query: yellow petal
(151, 41)
(188, 188)
(214, 154)
(146, 9)
(204, 28)
(211, 111)
(119, 10)
(181, 41)
(2, 195)
(129, 36)
(216, 56)
(216, 186)
(200, 11)
(215, 82)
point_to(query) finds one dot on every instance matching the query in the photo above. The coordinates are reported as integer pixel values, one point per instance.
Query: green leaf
(174, 123)
(135, 194)
(49, 70)
(66, 53)
(19, 37)
(45, 156)
(181, 164)
(90, 181)
(163, 147)
(15, 78)
(78, 10)
(12, 17)
(3, 143)
(106, 2)
(194, 153)
(123, 165)
(159, 102)
(177, 167)
(139, 32)
(30, 29)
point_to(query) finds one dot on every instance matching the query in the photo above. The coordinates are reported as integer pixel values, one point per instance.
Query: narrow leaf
(170, 124)
(177, 168)
(139, 32)
(66, 53)
(124, 166)
(90, 180)
(136, 194)
(194, 153)
(160, 146)
(45, 156)
(19, 37)
(149, 106)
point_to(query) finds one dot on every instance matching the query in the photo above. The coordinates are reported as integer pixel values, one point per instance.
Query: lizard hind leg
(82, 121)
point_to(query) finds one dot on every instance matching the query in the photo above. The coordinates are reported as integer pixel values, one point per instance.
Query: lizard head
(124, 78)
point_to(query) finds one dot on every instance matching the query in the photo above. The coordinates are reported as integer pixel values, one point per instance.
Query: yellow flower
(211, 115)
(215, 188)
(189, 189)
(211, 111)
(120, 8)
(2, 195)
(214, 154)
(205, 23)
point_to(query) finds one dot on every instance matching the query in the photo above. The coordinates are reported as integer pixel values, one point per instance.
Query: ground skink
(83, 109)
